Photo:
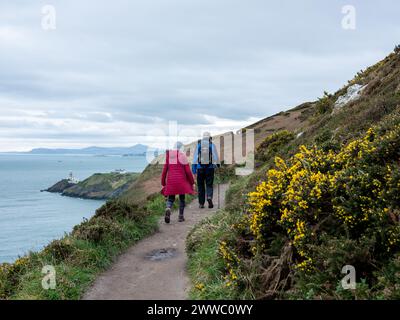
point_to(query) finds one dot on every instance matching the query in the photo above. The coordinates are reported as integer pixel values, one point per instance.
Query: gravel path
(154, 268)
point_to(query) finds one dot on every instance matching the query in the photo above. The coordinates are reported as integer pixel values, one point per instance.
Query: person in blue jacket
(205, 160)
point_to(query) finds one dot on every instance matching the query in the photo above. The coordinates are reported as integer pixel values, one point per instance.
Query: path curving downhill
(155, 267)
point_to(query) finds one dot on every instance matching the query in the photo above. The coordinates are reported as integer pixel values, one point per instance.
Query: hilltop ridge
(138, 149)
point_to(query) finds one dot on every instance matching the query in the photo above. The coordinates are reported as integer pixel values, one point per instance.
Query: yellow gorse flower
(296, 192)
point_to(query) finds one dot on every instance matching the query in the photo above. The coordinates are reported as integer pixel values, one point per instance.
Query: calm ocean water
(30, 219)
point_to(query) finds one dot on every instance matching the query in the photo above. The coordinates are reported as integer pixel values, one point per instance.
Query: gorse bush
(272, 144)
(326, 140)
(224, 173)
(121, 209)
(9, 275)
(324, 104)
(319, 200)
(99, 229)
(60, 250)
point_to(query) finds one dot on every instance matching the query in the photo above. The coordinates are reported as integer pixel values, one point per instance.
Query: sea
(29, 218)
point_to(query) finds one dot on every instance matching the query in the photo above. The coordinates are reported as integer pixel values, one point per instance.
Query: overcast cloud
(113, 71)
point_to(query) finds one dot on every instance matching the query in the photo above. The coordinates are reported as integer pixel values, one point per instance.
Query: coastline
(82, 254)
(88, 249)
(39, 217)
(99, 186)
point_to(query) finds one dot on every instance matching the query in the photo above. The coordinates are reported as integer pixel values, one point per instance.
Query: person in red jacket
(176, 179)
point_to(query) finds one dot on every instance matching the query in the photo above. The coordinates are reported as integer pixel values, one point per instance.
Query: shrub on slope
(321, 210)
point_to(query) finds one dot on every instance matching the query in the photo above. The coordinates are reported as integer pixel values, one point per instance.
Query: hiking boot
(201, 206)
(167, 217)
(181, 217)
(210, 203)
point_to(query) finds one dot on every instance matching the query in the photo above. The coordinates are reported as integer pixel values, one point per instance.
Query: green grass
(81, 255)
(206, 266)
(102, 185)
(114, 180)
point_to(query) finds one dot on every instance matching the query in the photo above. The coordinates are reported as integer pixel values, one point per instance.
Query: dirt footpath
(154, 268)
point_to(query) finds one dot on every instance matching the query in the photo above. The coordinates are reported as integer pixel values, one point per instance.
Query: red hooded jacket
(176, 177)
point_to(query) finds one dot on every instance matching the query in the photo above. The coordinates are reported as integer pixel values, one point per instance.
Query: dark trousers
(205, 181)
(171, 200)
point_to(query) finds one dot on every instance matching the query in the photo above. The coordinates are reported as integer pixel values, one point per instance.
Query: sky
(117, 73)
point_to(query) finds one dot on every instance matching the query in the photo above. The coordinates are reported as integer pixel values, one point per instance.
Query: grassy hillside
(102, 186)
(146, 185)
(324, 195)
(98, 186)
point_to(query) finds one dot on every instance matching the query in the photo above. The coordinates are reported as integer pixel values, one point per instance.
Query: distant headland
(138, 149)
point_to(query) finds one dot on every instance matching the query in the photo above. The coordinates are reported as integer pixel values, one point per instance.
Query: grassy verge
(81, 255)
(206, 265)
